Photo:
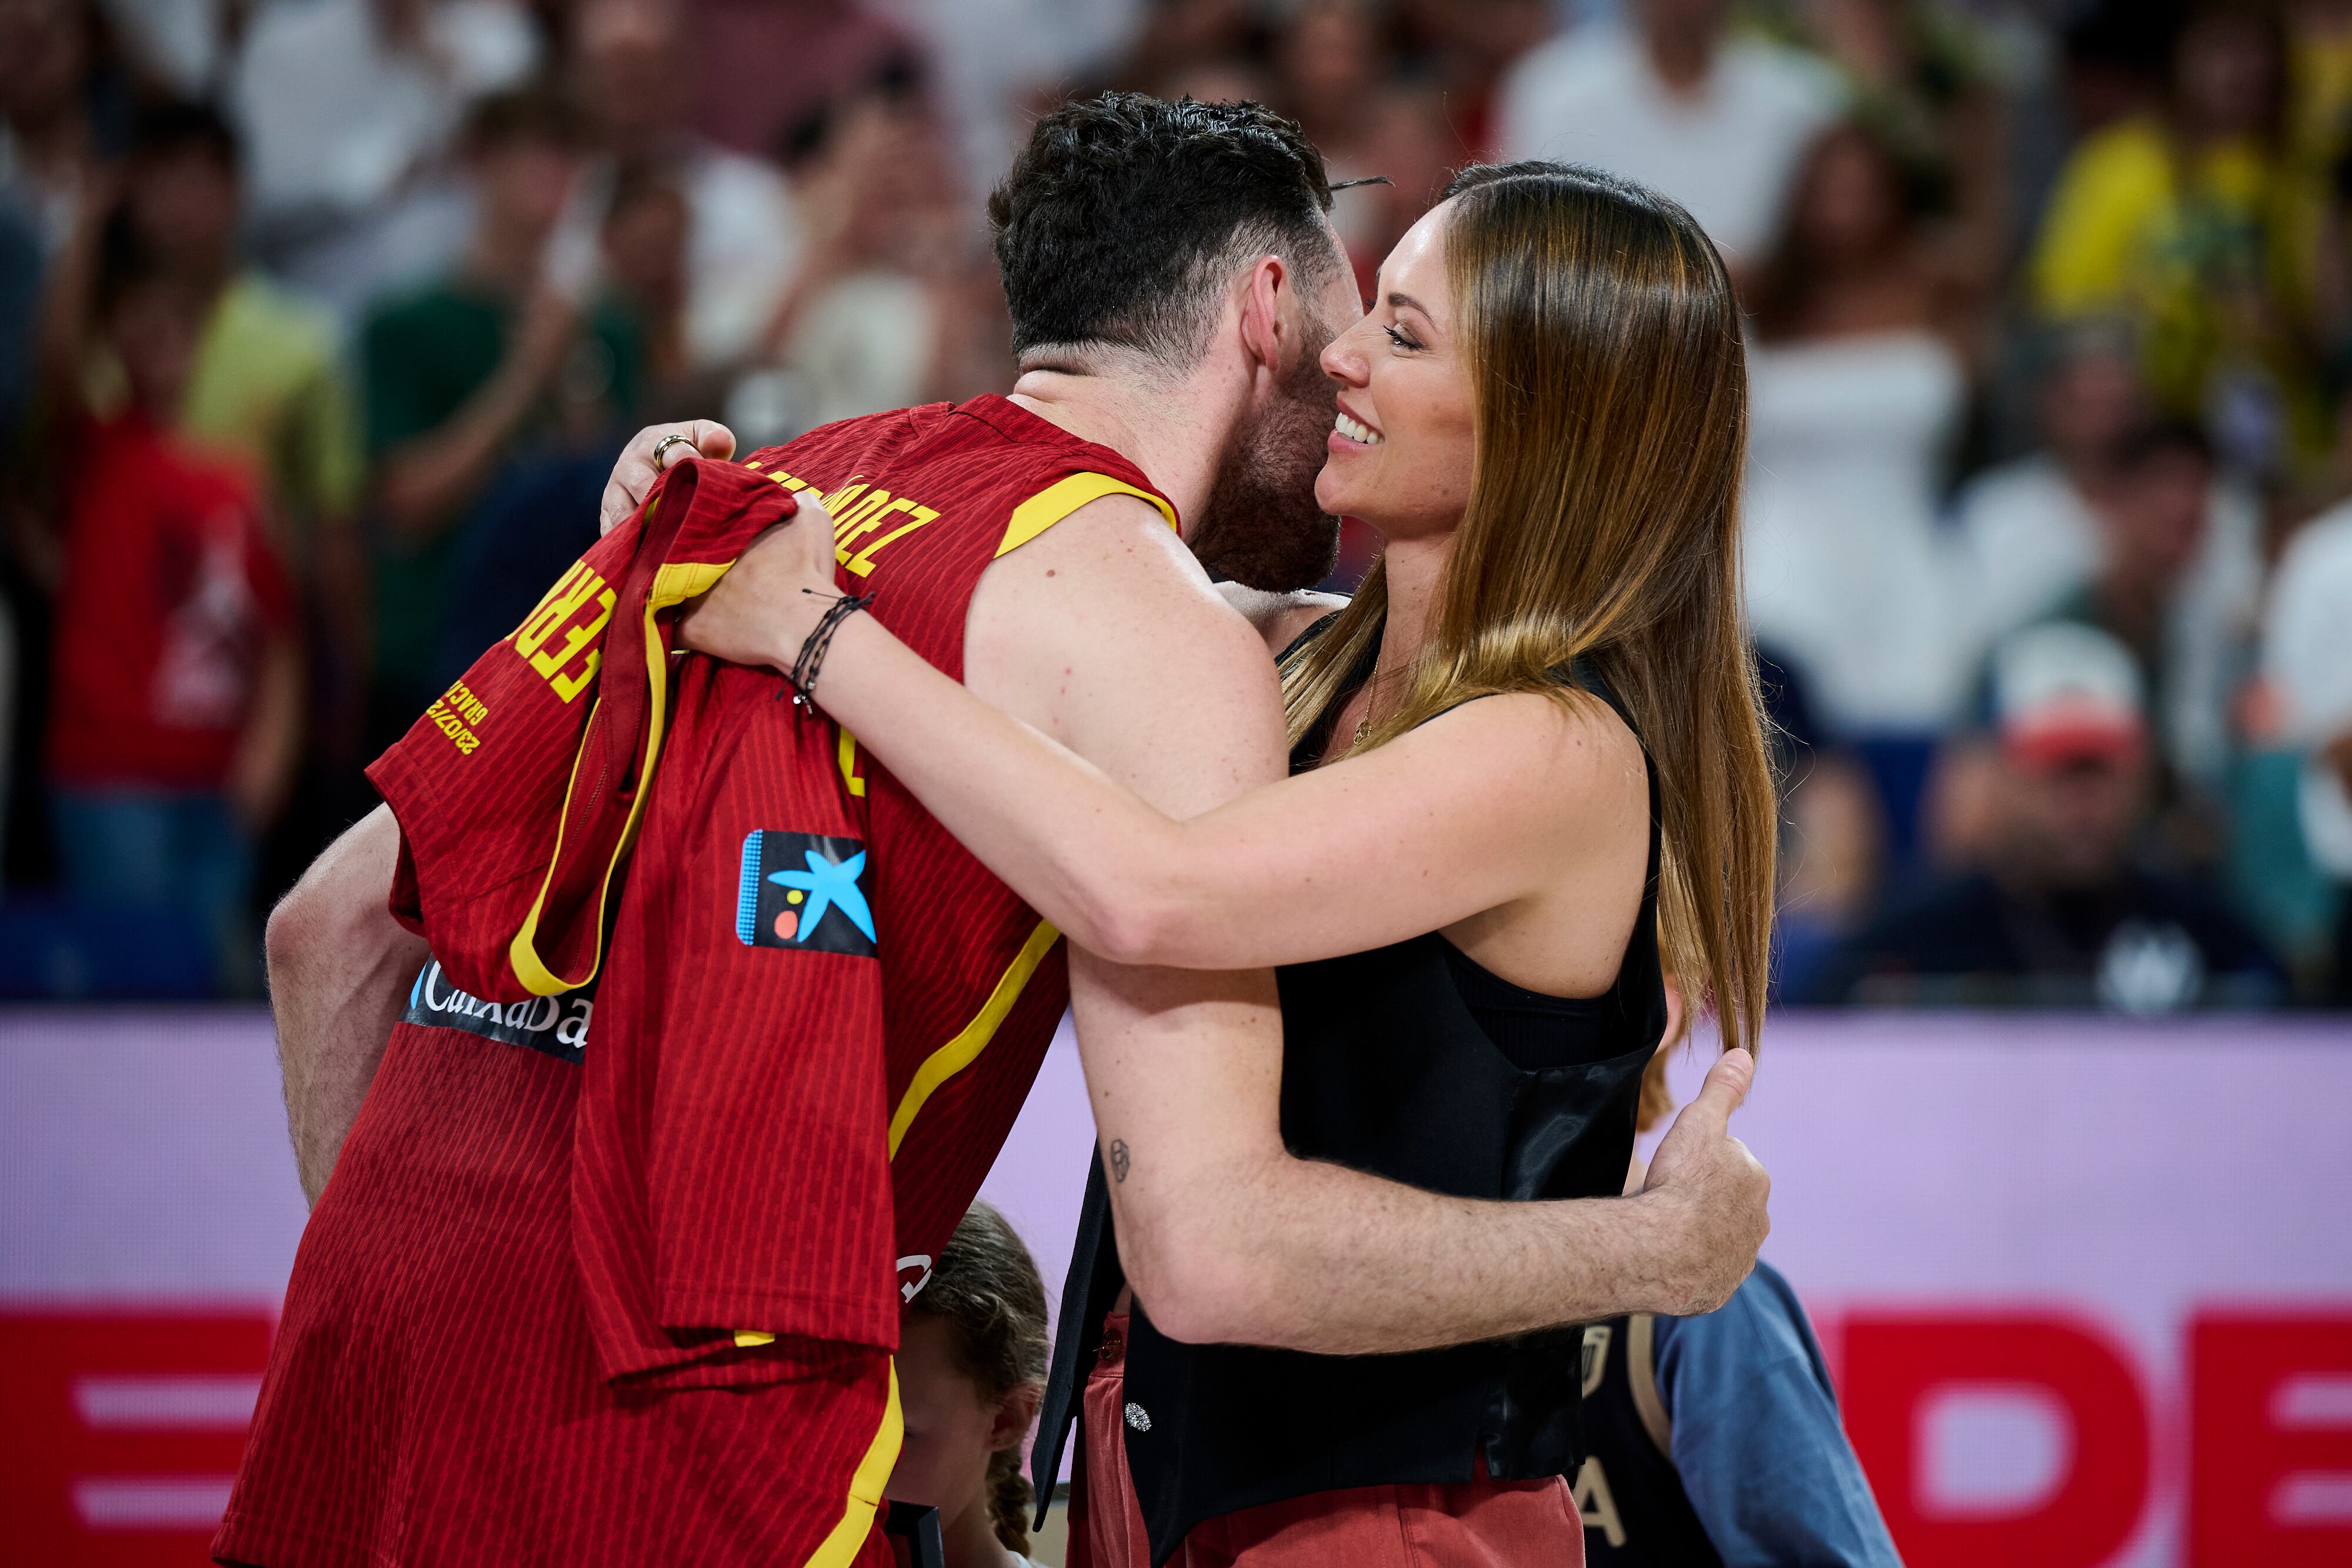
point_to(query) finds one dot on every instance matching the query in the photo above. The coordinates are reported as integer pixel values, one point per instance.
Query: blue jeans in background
(180, 851)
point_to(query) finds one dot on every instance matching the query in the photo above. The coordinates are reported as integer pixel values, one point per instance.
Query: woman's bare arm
(1482, 807)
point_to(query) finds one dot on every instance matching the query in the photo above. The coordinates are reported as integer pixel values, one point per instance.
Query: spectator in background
(2115, 56)
(1179, 36)
(347, 107)
(1409, 147)
(998, 61)
(266, 384)
(2191, 222)
(57, 106)
(267, 387)
(1330, 59)
(2030, 529)
(634, 71)
(1718, 123)
(2307, 661)
(1467, 50)
(971, 1368)
(175, 719)
(1857, 383)
(2063, 914)
(539, 514)
(2038, 532)
(464, 373)
(2146, 591)
(2154, 531)
(2319, 76)
(731, 50)
(873, 318)
(1715, 1440)
(1924, 71)
(642, 247)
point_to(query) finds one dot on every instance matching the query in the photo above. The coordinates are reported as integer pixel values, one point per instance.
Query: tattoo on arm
(1118, 1159)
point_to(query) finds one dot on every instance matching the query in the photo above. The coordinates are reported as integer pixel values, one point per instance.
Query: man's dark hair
(2162, 438)
(524, 114)
(167, 130)
(1123, 220)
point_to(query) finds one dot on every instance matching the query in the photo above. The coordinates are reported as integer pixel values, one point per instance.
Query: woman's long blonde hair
(1610, 386)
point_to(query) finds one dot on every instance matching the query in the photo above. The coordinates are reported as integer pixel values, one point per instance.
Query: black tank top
(1413, 1062)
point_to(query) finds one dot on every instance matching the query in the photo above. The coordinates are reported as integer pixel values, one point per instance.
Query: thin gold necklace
(1371, 700)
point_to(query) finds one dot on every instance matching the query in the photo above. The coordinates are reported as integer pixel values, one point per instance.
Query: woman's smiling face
(1405, 442)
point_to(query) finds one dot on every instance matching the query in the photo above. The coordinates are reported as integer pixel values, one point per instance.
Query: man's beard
(1260, 526)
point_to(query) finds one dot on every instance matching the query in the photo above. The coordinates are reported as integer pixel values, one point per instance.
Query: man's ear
(1015, 1414)
(1270, 324)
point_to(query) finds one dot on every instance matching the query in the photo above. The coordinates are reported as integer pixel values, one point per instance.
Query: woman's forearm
(1093, 858)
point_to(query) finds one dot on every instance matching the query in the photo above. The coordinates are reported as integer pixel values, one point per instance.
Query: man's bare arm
(339, 970)
(1103, 634)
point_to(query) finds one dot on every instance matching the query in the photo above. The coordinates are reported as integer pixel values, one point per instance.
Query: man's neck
(1158, 428)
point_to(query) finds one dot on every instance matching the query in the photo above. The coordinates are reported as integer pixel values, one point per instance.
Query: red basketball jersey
(811, 1028)
(741, 1164)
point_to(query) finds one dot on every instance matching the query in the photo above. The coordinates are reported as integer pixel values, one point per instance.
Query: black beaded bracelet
(804, 669)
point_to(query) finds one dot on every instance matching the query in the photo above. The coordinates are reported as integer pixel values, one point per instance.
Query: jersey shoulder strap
(1067, 495)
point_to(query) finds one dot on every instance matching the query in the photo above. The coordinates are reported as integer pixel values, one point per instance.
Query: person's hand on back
(634, 472)
(1710, 1190)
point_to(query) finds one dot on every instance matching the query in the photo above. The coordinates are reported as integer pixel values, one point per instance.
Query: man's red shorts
(435, 1401)
(1480, 1524)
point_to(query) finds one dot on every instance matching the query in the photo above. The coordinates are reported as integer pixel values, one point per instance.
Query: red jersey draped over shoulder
(770, 1057)
(729, 1195)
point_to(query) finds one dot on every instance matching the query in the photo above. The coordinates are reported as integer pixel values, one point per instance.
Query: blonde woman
(1528, 767)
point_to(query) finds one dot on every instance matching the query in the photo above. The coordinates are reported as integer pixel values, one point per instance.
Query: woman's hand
(773, 597)
(634, 472)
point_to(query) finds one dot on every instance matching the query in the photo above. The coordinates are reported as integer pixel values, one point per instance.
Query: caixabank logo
(804, 892)
(557, 1026)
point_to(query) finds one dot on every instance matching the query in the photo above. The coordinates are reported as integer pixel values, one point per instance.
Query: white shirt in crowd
(1847, 574)
(335, 116)
(1728, 151)
(2307, 656)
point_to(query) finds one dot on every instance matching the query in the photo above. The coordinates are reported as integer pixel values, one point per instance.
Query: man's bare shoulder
(1279, 618)
(1105, 607)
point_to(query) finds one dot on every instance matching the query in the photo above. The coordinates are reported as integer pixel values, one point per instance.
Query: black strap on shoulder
(1088, 1292)
(1305, 637)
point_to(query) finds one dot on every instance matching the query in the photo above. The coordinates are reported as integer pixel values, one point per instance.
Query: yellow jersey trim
(673, 584)
(965, 1047)
(1058, 500)
(840, 1548)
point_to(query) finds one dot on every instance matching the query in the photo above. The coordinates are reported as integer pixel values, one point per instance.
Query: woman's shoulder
(1281, 618)
(1558, 750)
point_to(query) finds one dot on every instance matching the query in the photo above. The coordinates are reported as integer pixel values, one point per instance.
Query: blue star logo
(830, 884)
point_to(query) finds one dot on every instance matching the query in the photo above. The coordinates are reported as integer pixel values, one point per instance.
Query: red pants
(1479, 1524)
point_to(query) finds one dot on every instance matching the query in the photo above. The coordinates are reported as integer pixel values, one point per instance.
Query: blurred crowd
(321, 320)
